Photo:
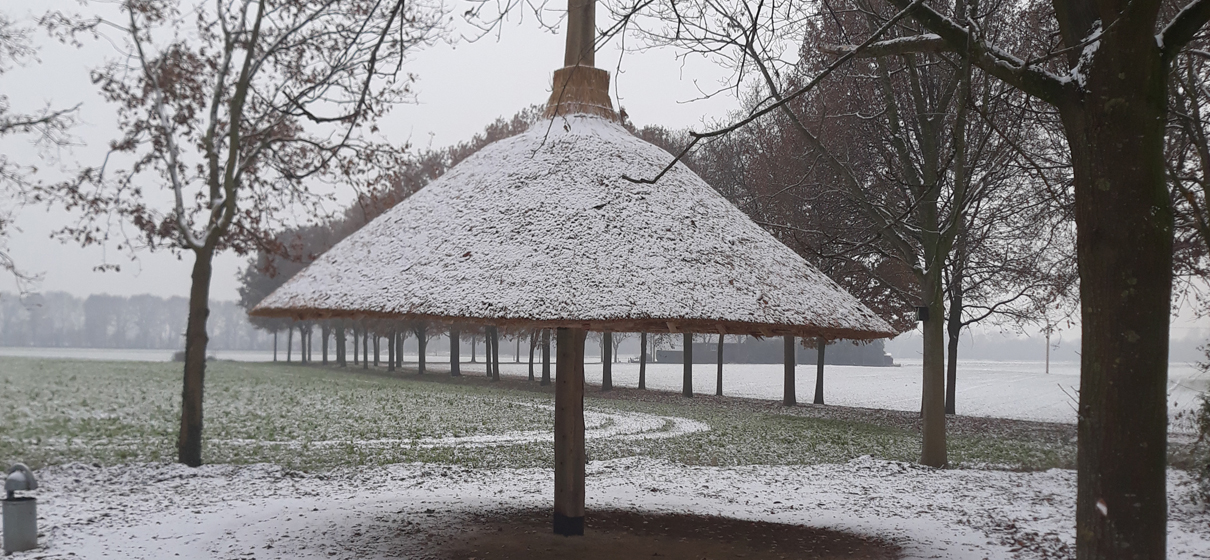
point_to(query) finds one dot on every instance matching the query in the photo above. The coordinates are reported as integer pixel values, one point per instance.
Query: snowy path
(169, 511)
(598, 424)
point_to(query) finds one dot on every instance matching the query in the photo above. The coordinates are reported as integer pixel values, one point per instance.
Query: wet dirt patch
(527, 534)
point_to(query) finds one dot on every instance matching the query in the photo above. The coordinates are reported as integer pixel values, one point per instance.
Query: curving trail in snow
(598, 424)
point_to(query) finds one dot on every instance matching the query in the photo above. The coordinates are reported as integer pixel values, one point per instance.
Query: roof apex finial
(581, 33)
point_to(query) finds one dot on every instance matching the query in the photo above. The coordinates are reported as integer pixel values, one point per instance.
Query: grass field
(313, 418)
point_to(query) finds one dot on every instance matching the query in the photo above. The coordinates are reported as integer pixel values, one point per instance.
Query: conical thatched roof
(542, 229)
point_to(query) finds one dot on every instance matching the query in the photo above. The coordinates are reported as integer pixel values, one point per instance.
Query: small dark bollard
(20, 512)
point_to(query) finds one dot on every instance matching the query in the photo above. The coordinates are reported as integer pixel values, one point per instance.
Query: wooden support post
(324, 332)
(494, 359)
(422, 343)
(788, 356)
(687, 390)
(391, 351)
(606, 361)
(822, 344)
(365, 349)
(454, 351)
(545, 357)
(718, 387)
(642, 360)
(569, 433)
(533, 345)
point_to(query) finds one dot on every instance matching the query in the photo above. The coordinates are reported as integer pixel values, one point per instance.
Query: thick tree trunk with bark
(718, 385)
(1124, 244)
(569, 433)
(932, 407)
(822, 345)
(290, 344)
(189, 441)
(377, 352)
(642, 360)
(517, 350)
(454, 351)
(687, 383)
(356, 346)
(606, 361)
(789, 396)
(545, 357)
(365, 349)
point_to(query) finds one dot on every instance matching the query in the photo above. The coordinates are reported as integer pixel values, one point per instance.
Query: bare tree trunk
(474, 343)
(454, 351)
(290, 344)
(377, 339)
(789, 398)
(517, 351)
(1124, 243)
(365, 349)
(275, 347)
(718, 386)
(310, 343)
(606, 361)
(687, 382)
(356, 345)
(933, 447)
(954, 327)
(189, 441)
(487, 350)
(643, 360)
(569, 433)
(545, 357)
(822, 344)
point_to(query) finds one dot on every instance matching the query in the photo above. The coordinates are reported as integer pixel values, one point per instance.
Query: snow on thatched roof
(542, 229)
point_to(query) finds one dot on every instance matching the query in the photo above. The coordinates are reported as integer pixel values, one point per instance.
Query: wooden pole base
(569, 432)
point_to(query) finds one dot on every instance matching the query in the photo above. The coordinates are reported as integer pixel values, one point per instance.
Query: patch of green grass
(311, 418)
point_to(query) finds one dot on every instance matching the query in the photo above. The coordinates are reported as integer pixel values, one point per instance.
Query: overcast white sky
(461, 88)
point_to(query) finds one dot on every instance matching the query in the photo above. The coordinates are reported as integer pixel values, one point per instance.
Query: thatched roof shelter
(544, 230)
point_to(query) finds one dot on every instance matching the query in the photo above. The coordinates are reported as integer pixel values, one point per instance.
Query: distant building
(769, 351)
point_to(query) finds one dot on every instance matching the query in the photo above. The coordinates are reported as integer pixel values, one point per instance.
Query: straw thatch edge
(762, 330)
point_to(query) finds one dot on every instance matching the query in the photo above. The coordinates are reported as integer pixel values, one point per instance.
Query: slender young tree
(237, 108)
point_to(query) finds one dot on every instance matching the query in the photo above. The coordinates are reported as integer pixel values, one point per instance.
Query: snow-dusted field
(1020, 390)
(261, 511)
(324, 463)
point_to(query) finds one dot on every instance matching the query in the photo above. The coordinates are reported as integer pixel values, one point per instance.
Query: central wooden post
(581, 33)
(569, 432)
(789, 398)
(687, 388)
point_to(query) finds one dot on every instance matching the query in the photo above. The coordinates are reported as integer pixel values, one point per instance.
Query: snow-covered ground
(1020, 390)
(260, 511)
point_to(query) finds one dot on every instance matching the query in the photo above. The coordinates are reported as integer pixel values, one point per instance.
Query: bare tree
(239, 109)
